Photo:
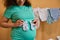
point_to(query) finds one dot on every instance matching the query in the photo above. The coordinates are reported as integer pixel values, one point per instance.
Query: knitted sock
(32, 25)
(25, 26)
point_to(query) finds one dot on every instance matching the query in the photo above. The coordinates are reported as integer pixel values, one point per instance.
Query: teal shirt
(21, 13)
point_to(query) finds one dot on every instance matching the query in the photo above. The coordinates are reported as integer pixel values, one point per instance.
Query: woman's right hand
(18, 23)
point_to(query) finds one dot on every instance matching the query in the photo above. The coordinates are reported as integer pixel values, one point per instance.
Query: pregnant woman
(19, 12)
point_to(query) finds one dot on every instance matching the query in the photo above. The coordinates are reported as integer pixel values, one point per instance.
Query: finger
(21, 20)
(20, 24)
(18, 21)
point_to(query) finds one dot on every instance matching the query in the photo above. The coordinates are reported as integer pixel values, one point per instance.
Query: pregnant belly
(28, 35)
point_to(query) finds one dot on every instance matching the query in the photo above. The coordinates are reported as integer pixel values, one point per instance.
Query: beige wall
(46, 30)
(46, 3)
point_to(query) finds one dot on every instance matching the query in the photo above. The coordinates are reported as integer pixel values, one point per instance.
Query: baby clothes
(32, 25)
(49, 18)
(59, 12)
(25, 26)
(42, 13)
(53, 15)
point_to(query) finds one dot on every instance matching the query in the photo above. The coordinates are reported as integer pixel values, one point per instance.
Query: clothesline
(49, 15)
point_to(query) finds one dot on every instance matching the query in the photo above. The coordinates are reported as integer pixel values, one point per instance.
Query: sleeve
(8, 13)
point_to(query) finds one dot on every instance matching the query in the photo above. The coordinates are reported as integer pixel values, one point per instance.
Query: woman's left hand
(35, 21)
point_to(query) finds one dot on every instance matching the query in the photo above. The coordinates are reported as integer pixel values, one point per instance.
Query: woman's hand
(35, 22)
(18, 23)
(4, 23)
